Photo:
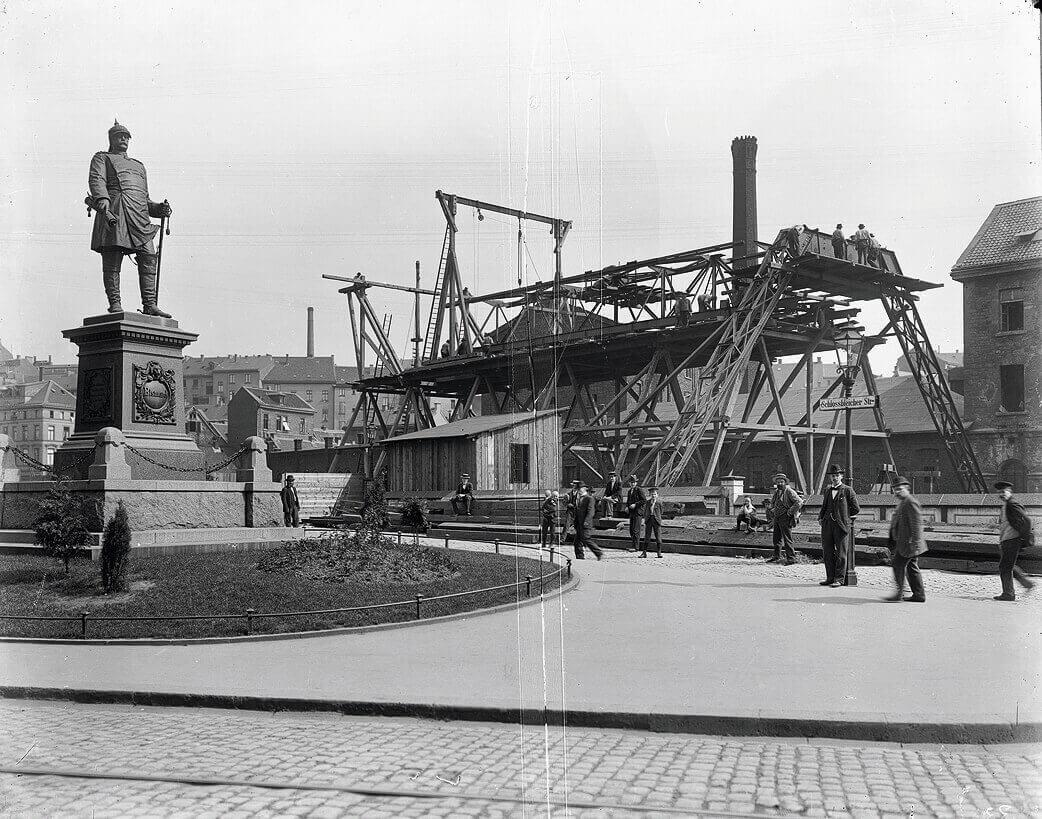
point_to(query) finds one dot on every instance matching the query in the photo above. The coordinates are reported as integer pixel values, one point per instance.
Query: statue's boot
(146, 269)
(110, 264)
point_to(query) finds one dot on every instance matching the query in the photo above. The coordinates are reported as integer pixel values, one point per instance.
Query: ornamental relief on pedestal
(154, 394)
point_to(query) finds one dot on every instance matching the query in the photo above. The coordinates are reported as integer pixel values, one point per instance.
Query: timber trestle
(660, 367)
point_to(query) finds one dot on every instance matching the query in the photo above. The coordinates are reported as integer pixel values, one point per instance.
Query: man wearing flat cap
(118, 189)
(785, 505)
(612, 494)
(907, 543)
(838, 507)
(1014, 534)
(636, 500)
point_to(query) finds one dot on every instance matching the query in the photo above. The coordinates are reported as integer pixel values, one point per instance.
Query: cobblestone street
(154, 762)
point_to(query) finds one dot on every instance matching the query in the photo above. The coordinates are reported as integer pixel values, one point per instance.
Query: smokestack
(311, 332)
(743, 151)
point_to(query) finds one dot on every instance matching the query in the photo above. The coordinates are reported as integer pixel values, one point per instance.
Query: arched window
(1016, 473)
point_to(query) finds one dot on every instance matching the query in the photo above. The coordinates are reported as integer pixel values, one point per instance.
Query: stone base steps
(169, 541)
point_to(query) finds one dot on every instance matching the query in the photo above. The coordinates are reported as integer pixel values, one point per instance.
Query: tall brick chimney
(311, 332)
(743, 151)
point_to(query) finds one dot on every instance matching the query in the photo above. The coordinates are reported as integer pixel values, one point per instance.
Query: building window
(48, 456)
(52, 413)
(341, 392)
(325, 395)
(65, 434)
(247, 378)
(1015, 473)
(1013, 311)
(220, 386)
(1011, 386)
(265, 421)
(50, 432)
(231, 379)
(308, 394)
(303, 423)
(341, 408)
(36, 432)
(519, 463)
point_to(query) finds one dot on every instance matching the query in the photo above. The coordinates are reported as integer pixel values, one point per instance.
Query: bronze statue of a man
(119, 192)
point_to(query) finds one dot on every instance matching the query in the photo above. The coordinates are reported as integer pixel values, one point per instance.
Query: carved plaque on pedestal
(97, 394)
(154, 394)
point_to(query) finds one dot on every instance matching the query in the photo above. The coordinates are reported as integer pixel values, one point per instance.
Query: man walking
(838, 508)
(907, 542)
(548, 519)
(1014, 534)
(635, 502)
(464, 496)
(118, 189)
(839, 243)
(612, 494)
(290, 503)
(653, 525)
(585, 514)
(785, 508)
(862, 240)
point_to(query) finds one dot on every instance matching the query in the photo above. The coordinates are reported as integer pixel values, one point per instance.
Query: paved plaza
(678, 637)
(199, 762)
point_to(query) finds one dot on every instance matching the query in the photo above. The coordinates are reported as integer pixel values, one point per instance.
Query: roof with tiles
(1012, 233)
(270, 399)
(201, 365)
(42, 394)
(303, 370)
(246, 363)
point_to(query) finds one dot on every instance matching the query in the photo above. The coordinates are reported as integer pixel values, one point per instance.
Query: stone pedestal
(131, 376)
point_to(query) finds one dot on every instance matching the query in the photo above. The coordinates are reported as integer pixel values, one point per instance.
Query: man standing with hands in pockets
(906, 540)
(785, 507)
(635, 502)
(838, 507)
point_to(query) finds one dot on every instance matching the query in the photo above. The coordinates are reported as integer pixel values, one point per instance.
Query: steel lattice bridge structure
(675, 413)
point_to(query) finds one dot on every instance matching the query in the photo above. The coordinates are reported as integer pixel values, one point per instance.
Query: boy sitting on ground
(747, 515)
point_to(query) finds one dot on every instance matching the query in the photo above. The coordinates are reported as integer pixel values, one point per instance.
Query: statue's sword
(164, 230)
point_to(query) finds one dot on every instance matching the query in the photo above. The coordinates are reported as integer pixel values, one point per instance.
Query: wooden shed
(515, 452)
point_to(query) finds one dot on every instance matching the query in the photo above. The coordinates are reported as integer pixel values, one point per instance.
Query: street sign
(854, 402)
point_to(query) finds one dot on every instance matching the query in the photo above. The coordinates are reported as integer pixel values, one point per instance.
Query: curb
(955, 733)
(568, 585)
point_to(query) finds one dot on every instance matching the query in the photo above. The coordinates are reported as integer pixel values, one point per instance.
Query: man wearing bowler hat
(785, 508)
(636, 500)
(585, 515)
(907, 543)
(1014, 534)
(838, 507)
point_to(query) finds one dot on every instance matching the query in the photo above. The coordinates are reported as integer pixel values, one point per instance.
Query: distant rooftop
(271, 399)
(41, 394)
(303, 370)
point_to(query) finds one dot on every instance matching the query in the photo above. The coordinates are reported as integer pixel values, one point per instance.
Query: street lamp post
(849, 339)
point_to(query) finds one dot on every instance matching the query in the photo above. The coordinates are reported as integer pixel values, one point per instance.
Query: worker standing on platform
(683, 310)
(793, 235)
(445, 350)
(862, 238)
(785, 510)
(1014, 534)
(585, 514)
(570, 500)
(838, 507)
(839, 243)
(636, 500)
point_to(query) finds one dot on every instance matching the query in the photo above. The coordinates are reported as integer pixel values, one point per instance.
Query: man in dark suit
(838, 507)
(612, 494)
(907, 542)
(464, 496)
(548, 519)
(636, 499)
(653, 522)
(570, 498)
(290, 503)
(585, 515)
(785, 509)
(1014, 534)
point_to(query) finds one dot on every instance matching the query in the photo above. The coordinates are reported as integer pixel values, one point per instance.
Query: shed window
(1011, 382)
(519, 463)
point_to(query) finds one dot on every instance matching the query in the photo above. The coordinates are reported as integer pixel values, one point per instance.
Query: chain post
(399, 537)
(497, 545)
(528, 585)
(419, 597)
(446, 541)
(569, 566)
(83, 624)
(551, 554)
(249, 620)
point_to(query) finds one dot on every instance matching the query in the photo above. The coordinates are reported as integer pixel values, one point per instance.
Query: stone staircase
(321, 492)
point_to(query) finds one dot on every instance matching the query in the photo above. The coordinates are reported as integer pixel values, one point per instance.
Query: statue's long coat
(123, 182)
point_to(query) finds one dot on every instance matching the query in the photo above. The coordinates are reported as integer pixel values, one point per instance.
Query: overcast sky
(295, 139)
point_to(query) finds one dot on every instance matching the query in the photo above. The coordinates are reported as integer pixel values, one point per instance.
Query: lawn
(231, 582)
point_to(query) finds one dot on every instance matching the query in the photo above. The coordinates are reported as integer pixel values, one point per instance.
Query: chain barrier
(32, 463)
(210, 471)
